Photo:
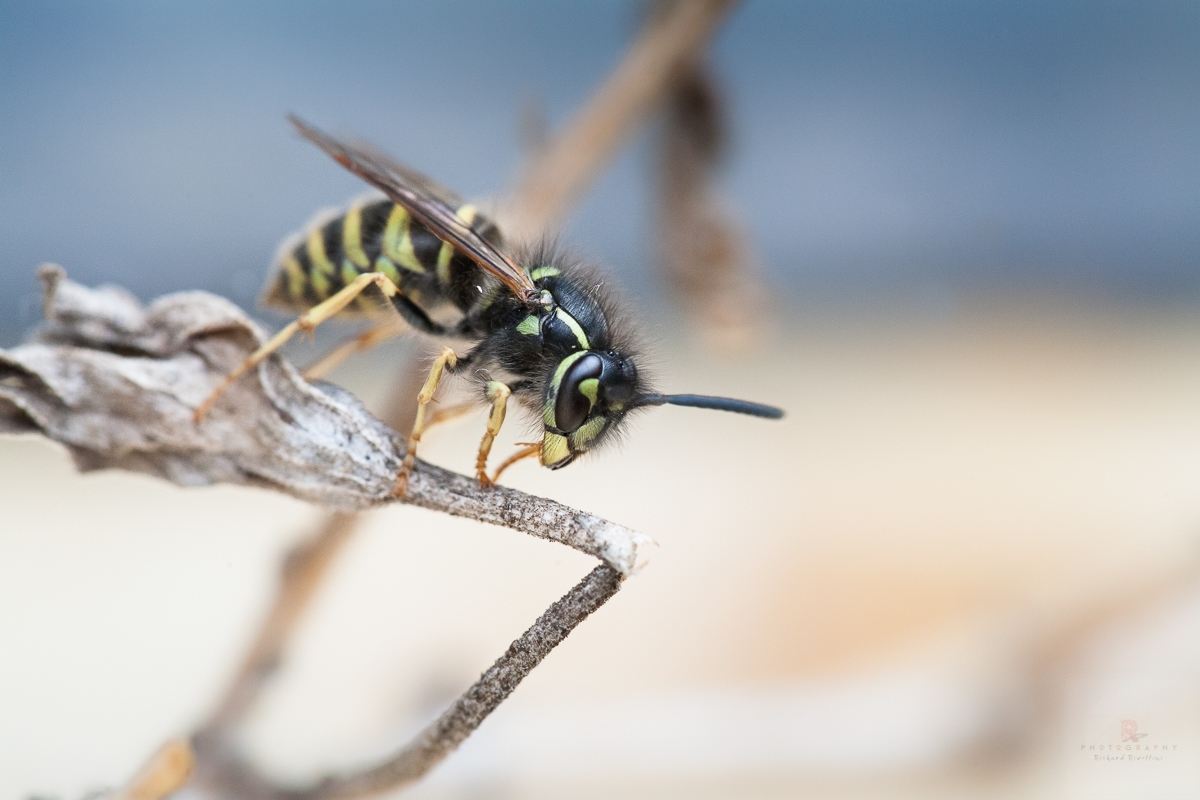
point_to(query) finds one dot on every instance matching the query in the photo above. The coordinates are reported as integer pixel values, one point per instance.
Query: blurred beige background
(966, 555)
(963, 559)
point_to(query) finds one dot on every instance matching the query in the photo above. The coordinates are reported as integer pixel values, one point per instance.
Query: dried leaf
(117, 383)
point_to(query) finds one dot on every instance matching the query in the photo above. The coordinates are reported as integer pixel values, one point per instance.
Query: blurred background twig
(566, 165)
(233, 777)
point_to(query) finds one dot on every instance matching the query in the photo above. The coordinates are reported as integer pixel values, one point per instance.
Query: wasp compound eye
(577, 393)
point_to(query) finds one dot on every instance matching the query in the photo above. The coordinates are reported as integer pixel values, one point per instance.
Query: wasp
(542, 331)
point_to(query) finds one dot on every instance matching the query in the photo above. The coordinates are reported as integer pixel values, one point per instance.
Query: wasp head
(588, 394)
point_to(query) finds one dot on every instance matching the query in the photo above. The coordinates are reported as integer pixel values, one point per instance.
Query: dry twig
(703, 248)
(116, 384)
(238, 779)
(303, 569)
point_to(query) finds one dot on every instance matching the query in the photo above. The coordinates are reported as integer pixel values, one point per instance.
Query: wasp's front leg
(447, 359)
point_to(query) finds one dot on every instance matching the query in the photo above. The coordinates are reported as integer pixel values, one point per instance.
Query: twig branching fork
(116, 385)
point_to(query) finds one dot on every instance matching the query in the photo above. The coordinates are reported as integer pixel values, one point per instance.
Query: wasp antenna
(718, 403)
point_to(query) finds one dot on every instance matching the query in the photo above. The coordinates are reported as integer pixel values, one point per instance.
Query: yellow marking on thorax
(352, 239)
(544, 272)
(575, 327)
(297, 280)
(397, 243)
(529, 326)
(322, 267)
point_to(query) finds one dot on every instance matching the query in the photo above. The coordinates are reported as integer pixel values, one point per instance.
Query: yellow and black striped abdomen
(376, 236)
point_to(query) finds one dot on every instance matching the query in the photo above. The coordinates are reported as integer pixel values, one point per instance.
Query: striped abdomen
(378, 236)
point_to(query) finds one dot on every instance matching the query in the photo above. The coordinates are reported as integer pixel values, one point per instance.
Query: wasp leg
(449, 413)
(358, 344)
(448, 358)
(498, 393)
(308, 321)
(530, 449)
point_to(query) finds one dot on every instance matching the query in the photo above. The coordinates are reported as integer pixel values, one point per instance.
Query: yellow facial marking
(352, 239)
(529, 326)
(397, 244)
(588, 388)
(554, 449)
(587, 432)
(297, 280)
(544, 272)
(575, 327)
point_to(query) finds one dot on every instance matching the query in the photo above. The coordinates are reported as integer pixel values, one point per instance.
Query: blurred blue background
(881, 150)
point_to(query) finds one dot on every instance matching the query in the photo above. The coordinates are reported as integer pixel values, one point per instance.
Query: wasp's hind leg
(447, 360)
(498, 393)
(358, 344)
(308, 321)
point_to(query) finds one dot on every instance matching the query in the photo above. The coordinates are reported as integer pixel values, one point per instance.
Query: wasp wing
(430, 203)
